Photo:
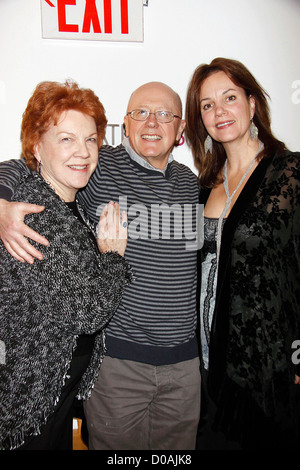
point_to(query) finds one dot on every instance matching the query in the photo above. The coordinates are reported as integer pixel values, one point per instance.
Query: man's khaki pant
(136, 406)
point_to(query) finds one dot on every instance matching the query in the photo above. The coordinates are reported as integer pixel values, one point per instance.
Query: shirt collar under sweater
(140, 160)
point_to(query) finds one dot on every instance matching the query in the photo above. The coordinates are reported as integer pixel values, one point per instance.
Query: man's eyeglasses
(161, 116)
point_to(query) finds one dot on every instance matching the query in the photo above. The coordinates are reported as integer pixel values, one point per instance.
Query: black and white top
(52, 311)
(209, 272)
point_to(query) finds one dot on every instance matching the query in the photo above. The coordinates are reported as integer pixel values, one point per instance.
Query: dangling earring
(253, 131)
(40, 167)
(208, 145)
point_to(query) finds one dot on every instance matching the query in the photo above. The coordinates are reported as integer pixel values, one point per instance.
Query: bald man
(147, 396)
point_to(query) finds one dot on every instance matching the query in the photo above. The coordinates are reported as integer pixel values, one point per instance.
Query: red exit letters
(91, 18)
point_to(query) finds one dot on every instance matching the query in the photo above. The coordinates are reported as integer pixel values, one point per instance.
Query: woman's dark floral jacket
(257, 314)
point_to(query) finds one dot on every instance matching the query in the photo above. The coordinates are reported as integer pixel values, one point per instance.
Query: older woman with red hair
(53, 312)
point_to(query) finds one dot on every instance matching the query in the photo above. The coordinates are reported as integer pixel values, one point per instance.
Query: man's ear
(180, 130)
(125, 125)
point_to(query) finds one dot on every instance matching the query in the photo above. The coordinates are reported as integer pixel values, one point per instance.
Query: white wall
(178, 36)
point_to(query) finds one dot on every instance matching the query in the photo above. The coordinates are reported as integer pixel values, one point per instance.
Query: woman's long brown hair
(209, 166)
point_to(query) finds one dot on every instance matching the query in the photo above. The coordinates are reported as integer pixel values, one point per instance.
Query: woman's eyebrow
(223, 93)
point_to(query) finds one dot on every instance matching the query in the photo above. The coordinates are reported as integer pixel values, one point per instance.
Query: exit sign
(94, 20)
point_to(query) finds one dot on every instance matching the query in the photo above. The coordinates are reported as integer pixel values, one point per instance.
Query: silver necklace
(230, 197)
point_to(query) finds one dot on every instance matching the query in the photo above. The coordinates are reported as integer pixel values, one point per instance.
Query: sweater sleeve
(77, 288)
(11, 173)
(82, 295)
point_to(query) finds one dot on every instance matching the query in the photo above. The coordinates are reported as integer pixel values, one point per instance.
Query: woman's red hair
(48, 101)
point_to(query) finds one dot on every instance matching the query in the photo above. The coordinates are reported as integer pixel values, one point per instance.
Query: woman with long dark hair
(250, 263)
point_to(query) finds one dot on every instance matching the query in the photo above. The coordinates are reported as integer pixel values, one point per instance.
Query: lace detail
(208, 283)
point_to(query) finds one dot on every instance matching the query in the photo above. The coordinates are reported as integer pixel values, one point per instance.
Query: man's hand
(112, 231)
(13, 230)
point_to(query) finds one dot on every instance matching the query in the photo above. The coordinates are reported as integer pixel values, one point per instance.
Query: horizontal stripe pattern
(159, 307)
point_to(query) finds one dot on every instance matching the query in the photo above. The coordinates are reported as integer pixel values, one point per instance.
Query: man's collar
(140, 160)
